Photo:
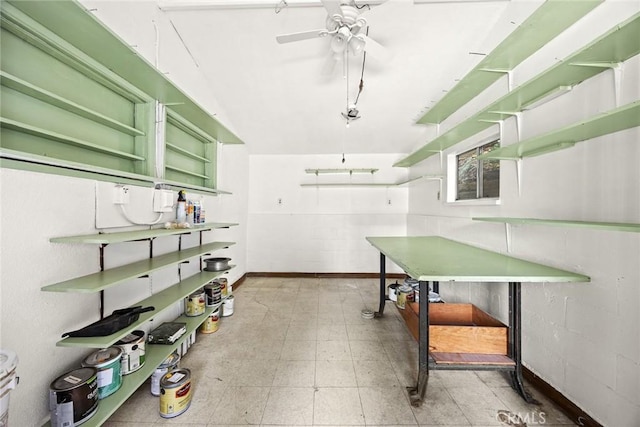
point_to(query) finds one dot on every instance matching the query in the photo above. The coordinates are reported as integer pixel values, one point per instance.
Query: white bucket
(227, 306)
(8, 381)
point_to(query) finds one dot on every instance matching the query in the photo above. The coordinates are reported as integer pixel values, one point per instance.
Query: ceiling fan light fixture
(340, 40)
(356, 44)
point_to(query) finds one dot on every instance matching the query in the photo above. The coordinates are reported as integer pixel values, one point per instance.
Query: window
(477, 179)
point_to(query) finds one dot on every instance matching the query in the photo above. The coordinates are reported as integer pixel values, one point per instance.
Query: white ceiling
(277, 99)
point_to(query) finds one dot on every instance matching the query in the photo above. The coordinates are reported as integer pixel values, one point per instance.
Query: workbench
(434, 259)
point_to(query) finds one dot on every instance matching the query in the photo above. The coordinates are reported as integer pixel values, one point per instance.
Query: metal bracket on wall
(616, 67)
(507, 233)
(518, 116)
(501, 71)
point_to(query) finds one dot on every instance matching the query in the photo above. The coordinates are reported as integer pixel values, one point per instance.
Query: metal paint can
(195, 304)
(392, 291)
(227, 306)
(213, 294)
(8, 381)
(133, 351)
(169, 364)
(211, 324)
(73, 397)
(107, 362)
(223, 286)
(175, 392)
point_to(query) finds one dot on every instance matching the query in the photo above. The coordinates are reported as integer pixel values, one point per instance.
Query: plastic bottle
(181, 212)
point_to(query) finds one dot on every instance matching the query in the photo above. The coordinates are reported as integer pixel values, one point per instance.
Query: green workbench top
(433, 258)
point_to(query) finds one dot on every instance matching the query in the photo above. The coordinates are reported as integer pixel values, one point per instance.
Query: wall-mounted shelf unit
(155, 354)
(612, 226)
(625, 117)
(350, 171)
(105, 279)
(73, 23)
(616, 46)
(374, 184)
(163, 300)
(545, 23)
(130, 236)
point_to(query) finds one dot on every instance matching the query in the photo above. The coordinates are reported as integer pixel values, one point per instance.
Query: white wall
(581, 338)
(321, 229)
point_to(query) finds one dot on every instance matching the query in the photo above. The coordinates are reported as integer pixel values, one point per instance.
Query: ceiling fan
(345, 25)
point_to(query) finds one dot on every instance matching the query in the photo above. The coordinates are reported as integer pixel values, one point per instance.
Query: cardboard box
(459, 328)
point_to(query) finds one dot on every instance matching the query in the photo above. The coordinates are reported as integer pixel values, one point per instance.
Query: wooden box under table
(460, 329)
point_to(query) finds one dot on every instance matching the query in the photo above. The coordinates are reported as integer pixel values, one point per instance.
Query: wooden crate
(459, 328)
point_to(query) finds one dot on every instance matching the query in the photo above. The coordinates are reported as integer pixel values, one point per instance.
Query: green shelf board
(131, 236)
(545, 23)
(625, 117)
(29, 89)
(613, 226)
(434, 258)
(105, 279)
(155, 354)
(71, 21)
(617, 45)
(161, 301)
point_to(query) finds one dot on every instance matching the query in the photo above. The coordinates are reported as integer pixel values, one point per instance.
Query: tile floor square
(338, 407)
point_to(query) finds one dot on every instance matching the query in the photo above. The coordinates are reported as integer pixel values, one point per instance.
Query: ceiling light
(356, 44)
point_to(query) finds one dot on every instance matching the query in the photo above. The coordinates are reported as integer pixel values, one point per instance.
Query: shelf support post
(417, 393)
(616, 67)
(502, 71)
(383, 294)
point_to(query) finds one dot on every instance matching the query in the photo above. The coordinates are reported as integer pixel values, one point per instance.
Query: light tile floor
(297, 352)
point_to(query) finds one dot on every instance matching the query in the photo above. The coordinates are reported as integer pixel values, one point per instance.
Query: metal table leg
(383, 286)
(515, 339)
(417, 393)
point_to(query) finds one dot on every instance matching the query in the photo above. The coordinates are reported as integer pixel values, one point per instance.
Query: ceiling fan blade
(330, 63)
(375, 49)
(332, 7)
(305, 35)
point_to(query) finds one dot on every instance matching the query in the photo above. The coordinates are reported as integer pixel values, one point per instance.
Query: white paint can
(227, 306)
(169, 364)
(133, 352)
(8, 381)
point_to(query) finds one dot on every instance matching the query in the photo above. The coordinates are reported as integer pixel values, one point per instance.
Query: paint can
(194, 304)
(213, 294)
(392, 291)
(107, 362)
(133, 351)
(223, 286)
(8, 381)
(73, 397)
(402, 295)
(175, 392)
(169, 364)
(227, 306)
(210, 325)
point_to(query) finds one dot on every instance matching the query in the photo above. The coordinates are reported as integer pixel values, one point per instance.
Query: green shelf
(545, 23)
(625, 117)
(161, 301)
(155, 354)
(130, 236)
(71, 21)
(613, 226)
(105, 279)
(617, 45)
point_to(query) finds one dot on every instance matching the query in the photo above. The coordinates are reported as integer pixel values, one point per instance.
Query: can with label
(73, 397)
(402, 297)
(195, 304)
(210, 325)
(169, 364)
(133, 352)
(223, 286)
(107, 362)
(175, 392)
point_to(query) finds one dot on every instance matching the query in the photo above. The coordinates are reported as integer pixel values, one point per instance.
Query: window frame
(452, 175)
